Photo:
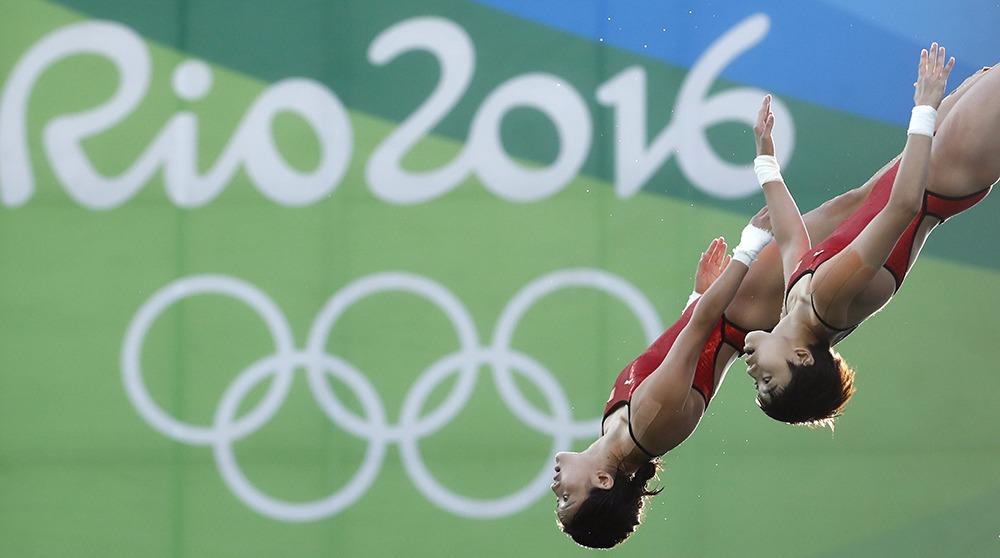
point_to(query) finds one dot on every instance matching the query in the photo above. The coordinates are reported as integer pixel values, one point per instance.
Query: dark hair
(608, 516)
(817, 393)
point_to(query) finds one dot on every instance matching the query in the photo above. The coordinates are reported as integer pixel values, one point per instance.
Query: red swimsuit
(645, 364)
(934, 205)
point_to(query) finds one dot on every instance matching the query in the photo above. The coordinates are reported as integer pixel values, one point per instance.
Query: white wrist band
(744, 257)
(767, 170)
(922, 120)
(752, 241)
(692, 297)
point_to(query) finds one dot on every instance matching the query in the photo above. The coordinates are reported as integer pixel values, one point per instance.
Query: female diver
(656, 404)
(833, 286)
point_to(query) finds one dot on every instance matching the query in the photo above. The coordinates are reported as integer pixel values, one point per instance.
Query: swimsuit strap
(628, 405)
(731, 329)
(812, 302)
(795, 280)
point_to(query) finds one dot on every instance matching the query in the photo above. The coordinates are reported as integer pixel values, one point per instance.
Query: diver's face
(575, 477)
(767, 362)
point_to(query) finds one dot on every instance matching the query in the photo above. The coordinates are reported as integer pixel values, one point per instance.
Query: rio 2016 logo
(227, 428)
(252, 147)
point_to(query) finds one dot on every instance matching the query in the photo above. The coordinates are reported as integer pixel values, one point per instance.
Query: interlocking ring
(373, 426)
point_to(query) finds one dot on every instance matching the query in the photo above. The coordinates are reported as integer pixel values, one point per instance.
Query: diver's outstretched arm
(670, 384)
(848, 273)
(790, 232)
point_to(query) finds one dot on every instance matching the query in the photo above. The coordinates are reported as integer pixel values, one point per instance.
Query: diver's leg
(966, 153)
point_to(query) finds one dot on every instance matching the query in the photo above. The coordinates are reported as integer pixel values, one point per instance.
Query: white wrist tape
(752, 241)
(766, 167)
(692, 297)
(922, 120)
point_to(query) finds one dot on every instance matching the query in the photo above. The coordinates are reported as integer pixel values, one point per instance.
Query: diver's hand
(713, 261)
(932, 76)
(762, 129)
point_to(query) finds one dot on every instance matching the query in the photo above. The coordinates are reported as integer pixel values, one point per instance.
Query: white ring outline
(373, 284)
(226, 429)
(300, 511)
(174, 292)
(482, 508)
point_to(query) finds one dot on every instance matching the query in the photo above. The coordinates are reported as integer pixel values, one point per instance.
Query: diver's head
(600, 506)
(798, 384)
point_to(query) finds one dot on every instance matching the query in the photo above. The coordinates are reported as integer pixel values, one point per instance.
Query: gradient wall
(337, 278)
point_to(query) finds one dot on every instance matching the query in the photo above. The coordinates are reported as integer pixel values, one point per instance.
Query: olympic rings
(374, 426)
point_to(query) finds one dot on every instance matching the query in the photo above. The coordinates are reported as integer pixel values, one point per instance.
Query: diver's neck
(615, 449)
(800, 326)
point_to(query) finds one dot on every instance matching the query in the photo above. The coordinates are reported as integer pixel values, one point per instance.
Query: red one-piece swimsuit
(725, 332)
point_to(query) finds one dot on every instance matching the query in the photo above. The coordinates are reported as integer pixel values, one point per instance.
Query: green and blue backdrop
(316, 278)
